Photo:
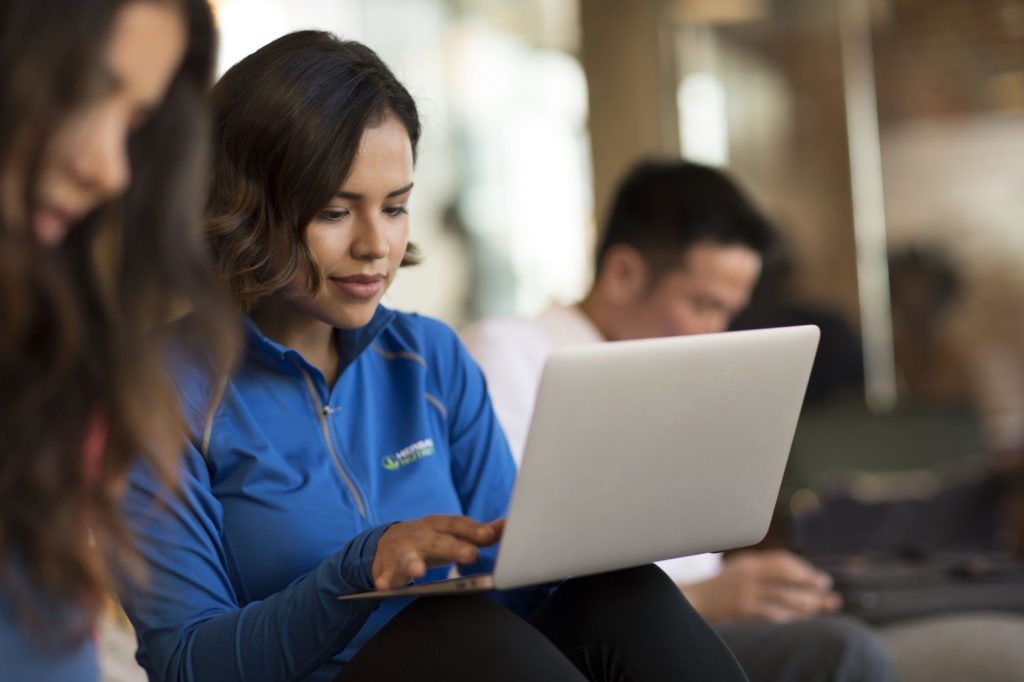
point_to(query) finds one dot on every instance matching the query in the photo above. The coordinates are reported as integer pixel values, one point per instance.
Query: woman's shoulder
(434, 342)
(191, 368)
(413, 331)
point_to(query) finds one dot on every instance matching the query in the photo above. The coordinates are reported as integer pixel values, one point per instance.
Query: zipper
(321, 413)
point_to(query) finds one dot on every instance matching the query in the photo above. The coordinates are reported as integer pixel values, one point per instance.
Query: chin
(353, 317)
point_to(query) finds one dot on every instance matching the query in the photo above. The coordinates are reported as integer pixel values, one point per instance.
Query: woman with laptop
(101, 115)
(355, 447)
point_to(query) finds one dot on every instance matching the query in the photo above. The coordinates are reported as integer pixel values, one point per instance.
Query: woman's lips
(360, 286)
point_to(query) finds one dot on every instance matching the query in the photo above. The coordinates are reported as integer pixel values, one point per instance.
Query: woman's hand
(408, 549)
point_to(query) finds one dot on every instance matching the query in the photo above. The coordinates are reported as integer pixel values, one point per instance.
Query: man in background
(681, 254)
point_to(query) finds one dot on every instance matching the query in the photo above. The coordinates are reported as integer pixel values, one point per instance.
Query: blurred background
(884, 137)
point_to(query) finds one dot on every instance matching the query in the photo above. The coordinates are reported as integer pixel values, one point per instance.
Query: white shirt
(511, 352)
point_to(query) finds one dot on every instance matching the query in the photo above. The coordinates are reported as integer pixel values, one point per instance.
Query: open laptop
(640, 451)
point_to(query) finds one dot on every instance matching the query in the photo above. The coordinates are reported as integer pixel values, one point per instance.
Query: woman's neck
(294, 328)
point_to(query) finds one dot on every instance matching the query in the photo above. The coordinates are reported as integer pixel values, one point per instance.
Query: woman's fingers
(481, 534)
(386, 580)
(498, 525)
(407, 550)
(443, 548)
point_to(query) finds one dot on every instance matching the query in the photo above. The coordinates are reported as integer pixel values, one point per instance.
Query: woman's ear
(622, 279)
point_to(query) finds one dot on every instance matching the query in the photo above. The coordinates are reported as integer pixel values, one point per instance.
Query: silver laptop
(640, 451)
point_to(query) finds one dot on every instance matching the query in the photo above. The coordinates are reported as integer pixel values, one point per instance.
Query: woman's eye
(395, 211)
(333, 215)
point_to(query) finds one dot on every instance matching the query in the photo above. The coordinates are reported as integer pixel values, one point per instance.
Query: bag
(904, 512)
(913, 544)
(886, 588)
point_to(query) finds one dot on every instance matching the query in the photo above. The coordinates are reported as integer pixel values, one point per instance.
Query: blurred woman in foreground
(102, 160)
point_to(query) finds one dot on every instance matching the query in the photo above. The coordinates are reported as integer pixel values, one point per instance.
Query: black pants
(626, 625)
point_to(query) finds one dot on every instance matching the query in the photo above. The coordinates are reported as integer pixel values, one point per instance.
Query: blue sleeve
(190, 621)
(482, 464)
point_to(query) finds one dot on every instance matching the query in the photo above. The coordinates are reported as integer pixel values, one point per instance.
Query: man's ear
(623, 277)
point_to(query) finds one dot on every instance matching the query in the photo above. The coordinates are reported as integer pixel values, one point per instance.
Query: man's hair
(288, 122)
(663, 208)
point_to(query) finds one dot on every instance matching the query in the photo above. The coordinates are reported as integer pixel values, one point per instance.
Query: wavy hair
(82, 363)
(288, 120)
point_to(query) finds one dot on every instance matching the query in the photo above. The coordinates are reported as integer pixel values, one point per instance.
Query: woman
(346, 418)
(101, 156)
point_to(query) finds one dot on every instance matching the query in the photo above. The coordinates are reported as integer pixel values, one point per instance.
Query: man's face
(701, 296)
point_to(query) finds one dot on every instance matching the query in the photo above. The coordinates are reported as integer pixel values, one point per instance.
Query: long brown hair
(79, 346)
(288, 121)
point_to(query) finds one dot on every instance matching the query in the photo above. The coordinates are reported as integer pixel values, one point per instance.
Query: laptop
(640, 451)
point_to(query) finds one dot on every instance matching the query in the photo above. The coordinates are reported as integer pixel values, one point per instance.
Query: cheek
(398, 240)
(681, 321)
(51, 170)
(86, 160)
(666, 317)
(327, 245)
(678, 317)
(80, 131)
(320, 250)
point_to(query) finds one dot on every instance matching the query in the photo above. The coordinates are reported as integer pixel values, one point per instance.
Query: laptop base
(469, 584)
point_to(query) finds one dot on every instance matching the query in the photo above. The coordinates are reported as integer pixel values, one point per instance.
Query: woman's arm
(482, 468)
(482, 464)
(190, 621)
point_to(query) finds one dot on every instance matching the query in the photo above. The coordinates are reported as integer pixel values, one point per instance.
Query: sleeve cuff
(355, 561)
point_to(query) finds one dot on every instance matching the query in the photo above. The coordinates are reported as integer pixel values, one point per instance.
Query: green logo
(408, 455)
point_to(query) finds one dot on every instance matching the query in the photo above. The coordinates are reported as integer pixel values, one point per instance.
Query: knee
(458, 638)
(640, 591)
(640, 582)
(427, 627)
(472, 616)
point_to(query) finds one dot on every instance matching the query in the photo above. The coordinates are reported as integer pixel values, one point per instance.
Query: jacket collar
(351, 342)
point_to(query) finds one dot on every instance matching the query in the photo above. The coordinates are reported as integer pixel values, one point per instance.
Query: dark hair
(288, 121)
(78, 352)
(932, 266)
(663, 208)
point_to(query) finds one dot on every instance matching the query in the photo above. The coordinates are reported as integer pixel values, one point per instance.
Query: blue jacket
(287, 488)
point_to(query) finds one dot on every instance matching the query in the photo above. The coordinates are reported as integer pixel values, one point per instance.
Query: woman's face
(359, 239)
(86, 161)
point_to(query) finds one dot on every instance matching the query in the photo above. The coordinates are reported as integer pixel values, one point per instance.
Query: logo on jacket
(409, 454)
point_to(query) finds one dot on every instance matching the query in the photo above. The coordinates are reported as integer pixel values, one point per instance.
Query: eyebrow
(355, 196)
